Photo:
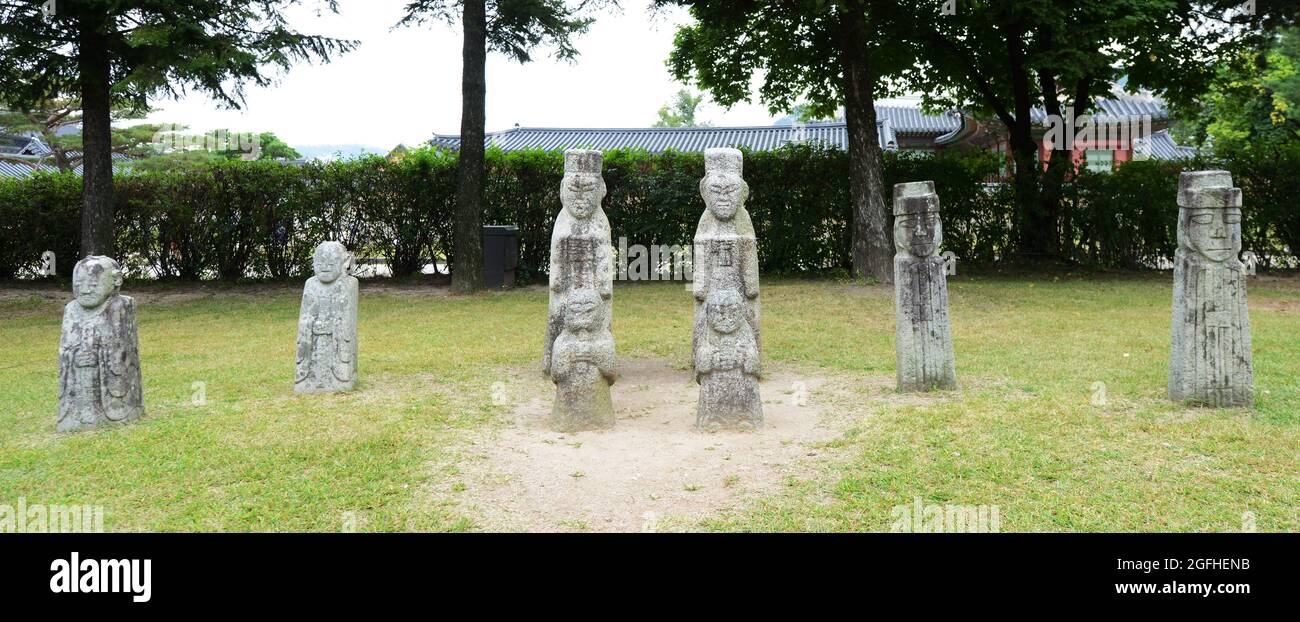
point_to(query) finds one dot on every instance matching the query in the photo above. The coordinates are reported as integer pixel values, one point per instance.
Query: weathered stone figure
(922, 333)
(727, 366)
(582, 365)
(1211, 357)
(327, 324)
(582, 255)
(99, 351)
(726, 251)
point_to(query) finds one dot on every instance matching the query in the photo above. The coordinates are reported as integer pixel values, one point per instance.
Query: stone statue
(327, 324)
(582, 365)
(726, 251)
(922, 333)
(727, 366)
(99, 351)
(582, 255)
(1211, 356)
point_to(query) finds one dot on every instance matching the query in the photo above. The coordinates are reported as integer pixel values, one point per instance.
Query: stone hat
(915, 197)
(723, 160)
(582, 161)
(1207, 190)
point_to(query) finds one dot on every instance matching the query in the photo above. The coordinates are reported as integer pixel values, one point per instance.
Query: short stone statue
(726, 250)
(1249, 261)
(582, 365)
(922, 333)
(327, 324)
(582, 256)
(49, 264)
(1211, 353)
(727, 366)
(99, 351)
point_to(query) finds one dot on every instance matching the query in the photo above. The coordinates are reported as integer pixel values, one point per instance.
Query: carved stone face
(583, 311)
(726, 314)
(919, 235)
(94, 281)
(329, 262)
(723, 194)
(1215, 234)
(581, 193)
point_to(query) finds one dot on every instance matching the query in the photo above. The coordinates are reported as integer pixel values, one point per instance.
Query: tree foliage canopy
(155, 47)
(1254, 101)
(794, 45)
(517, 27)
(681, 110)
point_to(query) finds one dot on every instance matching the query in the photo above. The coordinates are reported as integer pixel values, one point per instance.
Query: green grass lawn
(1022, 433)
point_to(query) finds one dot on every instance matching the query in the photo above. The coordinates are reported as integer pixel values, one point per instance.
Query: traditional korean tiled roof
(1114, 109)
(1163, 147)
(910, 120)
(27, 168)
(659, 139)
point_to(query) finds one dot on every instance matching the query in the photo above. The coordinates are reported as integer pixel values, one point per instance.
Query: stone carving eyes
(1229, 218)
(929, 219)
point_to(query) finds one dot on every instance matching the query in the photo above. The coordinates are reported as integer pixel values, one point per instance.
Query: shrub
(236, 219)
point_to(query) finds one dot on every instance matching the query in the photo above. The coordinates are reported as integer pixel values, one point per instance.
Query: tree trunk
(1036, 224)
(96, 135)
(873, 249)
(467, 269)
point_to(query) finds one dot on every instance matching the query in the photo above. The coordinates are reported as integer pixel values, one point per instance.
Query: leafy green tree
(514, 28)
(1252, 103)
(57, 123)
(170, 148)
(272, 148)
(826, 54)
(680, 112)
(110, 53)
(999, 60)
(805, 113)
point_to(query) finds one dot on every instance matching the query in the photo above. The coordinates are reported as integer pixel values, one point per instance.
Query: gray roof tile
(660, 139)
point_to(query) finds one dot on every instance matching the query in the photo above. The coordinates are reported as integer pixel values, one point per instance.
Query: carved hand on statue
(750, 363)
(704, 359)
(585, 352)
(725, 359)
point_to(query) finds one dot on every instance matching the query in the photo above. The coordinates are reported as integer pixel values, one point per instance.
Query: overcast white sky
(401, 86)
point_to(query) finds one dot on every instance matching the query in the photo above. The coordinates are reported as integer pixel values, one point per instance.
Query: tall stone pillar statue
(327, 324)
(726, 272)
(578, 351)
(1211, 355)
(582, 255)
(922, 332)
(582, 365)
(99, 350)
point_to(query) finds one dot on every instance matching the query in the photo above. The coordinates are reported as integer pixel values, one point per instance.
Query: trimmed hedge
(237, 219)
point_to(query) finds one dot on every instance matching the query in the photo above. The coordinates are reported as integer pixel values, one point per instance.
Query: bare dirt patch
(653, 471)
(1281, 305)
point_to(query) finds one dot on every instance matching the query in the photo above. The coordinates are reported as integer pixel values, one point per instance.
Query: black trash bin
(500, 255)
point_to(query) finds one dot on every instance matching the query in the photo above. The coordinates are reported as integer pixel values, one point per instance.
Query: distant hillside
(330, 152)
